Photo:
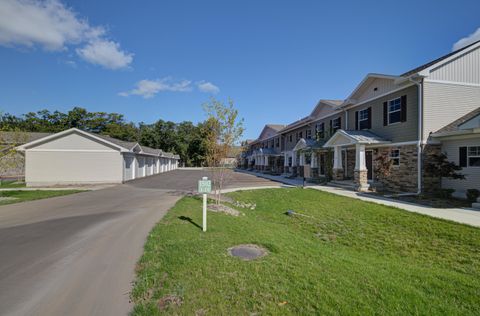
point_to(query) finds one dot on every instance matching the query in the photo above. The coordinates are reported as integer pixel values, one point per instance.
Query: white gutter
(420, 134)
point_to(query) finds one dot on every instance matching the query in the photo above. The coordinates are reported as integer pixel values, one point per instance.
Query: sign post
(204, 187)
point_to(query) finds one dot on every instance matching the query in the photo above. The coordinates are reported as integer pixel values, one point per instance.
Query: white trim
(399, 110)
(74, 150)
(427, 71)
(379, 96)
(468, 84)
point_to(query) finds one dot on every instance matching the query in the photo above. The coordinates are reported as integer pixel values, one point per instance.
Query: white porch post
(360, 157)
(337, 163)
(360, 173)
(337, 158)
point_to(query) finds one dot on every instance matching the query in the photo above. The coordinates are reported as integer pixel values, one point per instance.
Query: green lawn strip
(351, 257)
(30, 195)
(11, 184)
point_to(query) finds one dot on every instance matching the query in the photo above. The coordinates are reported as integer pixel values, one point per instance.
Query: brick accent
(402, 178)
(430, 183)
(360, 179)
(337, 174)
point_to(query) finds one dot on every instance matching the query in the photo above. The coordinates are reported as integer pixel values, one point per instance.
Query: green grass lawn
(11, 184)
(351, 257)
(22, 196)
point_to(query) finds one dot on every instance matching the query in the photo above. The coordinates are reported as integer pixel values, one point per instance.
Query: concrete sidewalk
(467, 216)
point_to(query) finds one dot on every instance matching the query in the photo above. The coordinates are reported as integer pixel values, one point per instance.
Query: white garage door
(129, 167)
(140, 167)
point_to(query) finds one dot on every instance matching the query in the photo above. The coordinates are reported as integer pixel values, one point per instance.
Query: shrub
(444, 193)
(473, 194)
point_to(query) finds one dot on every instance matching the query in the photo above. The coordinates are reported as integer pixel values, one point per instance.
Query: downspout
(420, 134)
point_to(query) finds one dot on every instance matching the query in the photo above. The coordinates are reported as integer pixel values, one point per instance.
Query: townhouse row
(388, 132)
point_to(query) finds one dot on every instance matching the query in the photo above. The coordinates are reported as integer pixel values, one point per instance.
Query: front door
(369, 163)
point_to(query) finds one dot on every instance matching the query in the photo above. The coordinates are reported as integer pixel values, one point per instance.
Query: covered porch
(359, 144)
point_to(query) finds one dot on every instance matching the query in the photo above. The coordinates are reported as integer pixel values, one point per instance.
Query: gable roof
(438, 60)
(121, 145)
(366, 81)
(454, 126)
(355, 137)
(276, 127)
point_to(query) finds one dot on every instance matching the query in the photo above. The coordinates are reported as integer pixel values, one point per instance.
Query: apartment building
(402, 121)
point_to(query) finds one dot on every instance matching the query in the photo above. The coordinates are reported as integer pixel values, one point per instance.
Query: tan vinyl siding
(398, 132)
(74, 141)
(443, 103)
(72, 167)
(465, 68)
(382, 86)
(472, 174)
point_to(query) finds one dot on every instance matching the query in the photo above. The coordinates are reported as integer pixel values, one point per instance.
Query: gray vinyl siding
(290, 145)
(444, 103)
(398, 132)
(472, 174)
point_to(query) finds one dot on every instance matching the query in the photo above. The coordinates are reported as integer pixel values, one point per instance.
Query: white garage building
(75, 157)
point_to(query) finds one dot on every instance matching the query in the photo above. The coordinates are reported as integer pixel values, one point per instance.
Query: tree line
(186, 139)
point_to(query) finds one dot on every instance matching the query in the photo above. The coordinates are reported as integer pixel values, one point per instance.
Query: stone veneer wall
(350, 164)
(430, 183)
(402, 178)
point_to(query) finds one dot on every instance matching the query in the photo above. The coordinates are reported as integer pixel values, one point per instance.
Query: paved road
(76, 254)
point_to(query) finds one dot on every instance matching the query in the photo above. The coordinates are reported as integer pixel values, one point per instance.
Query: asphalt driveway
(76, 254)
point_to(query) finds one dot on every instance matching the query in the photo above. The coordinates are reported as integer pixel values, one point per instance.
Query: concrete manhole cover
(247, 252)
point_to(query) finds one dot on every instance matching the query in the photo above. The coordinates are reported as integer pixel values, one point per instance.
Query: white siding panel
(472, 174)
(74, 141)
(70, 167)
(444, 103)
(465, 68)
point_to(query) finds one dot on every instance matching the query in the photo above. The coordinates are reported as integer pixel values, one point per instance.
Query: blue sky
(163, 59)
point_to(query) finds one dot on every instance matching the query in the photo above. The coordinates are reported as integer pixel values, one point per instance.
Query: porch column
(360, 172)
(337, 163)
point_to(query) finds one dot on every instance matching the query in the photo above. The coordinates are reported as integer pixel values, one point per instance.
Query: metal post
(204, 212)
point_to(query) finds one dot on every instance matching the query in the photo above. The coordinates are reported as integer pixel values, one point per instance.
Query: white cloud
(54, 27)
(149, 88)
(475, 36)
(207, 87)
(105, 53)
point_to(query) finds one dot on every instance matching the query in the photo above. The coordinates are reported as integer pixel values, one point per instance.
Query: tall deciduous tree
(224, 130)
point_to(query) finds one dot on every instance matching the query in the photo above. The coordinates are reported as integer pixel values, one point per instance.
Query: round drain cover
(247, 252)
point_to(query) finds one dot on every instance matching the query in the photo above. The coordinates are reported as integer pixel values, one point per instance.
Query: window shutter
(385, 113)
(340, 122)
(356, 120)
(331, 128)
(404, 108)
(463, 156)
(369, 118)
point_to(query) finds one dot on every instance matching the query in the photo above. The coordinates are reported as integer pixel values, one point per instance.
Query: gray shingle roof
(125, 144)
(365, 137)
(454, 125)
(276, 127)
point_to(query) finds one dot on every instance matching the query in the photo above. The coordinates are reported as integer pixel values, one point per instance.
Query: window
(474, 156)
(300, 135)
(395, 157)
(290, 138)
(394, 111)
(363, 119)
(320, 130)
(308, 133)
(308, 158)
(336, 124)
(277, 142)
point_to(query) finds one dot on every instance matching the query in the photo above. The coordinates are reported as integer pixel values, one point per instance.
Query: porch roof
(307, 144)
(344, 138)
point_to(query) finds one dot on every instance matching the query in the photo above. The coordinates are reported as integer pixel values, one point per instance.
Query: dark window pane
(474, 161)
(394, 117)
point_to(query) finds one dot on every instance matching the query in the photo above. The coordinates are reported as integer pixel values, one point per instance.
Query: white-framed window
(473, 156)
(308, 133)
(363, 117)
(395, 111)
(320, 130)
(336, 125)
(395, 157)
